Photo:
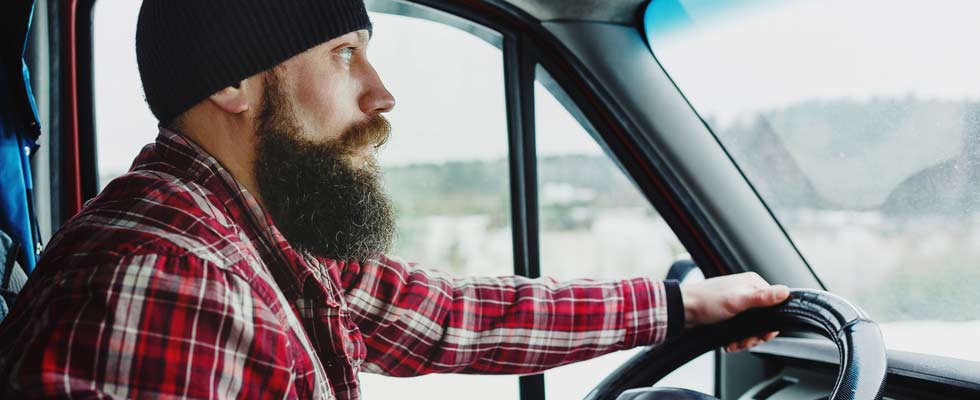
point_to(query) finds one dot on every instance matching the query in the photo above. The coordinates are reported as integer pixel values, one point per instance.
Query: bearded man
(244, 254)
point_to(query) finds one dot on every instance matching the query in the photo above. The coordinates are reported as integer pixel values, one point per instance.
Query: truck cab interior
(830, 146)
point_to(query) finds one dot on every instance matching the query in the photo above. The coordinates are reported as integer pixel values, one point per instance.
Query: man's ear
(232, 99)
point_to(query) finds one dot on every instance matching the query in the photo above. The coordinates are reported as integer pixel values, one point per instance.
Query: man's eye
(346, 54)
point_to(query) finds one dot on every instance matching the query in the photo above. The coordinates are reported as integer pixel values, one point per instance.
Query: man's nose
(376, 97)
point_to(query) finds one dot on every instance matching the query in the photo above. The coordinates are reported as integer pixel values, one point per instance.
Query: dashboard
(806, 368)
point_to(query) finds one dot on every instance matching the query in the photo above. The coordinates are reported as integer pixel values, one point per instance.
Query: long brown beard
(319, 200)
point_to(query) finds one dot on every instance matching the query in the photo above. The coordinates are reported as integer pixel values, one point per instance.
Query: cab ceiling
(611, 11)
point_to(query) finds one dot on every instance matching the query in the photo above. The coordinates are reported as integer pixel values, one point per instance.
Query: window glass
(596, 224)
(123, 121)
(863, 137)
(445, 166)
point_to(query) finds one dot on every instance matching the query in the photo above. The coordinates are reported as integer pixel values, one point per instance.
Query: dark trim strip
(515, 142)
(718, 374)
(532, 387)
(88, 167)
(55, 49)
(71, 200)
(519, 81)
(519, 92)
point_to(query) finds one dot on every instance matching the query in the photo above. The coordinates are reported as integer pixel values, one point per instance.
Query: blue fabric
(19, 129)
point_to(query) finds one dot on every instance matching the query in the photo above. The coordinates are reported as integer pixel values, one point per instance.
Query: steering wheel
(863, 363)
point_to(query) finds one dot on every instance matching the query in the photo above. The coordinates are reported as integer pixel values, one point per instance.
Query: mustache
(374, 131)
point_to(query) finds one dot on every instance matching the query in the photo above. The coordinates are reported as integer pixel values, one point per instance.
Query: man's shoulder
(152, 212)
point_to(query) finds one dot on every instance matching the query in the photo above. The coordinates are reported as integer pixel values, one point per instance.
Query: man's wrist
(691, 305)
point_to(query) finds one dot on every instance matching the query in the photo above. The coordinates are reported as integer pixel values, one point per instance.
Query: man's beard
(319, 200)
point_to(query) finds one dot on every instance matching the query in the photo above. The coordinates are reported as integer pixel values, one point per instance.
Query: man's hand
(718, 299)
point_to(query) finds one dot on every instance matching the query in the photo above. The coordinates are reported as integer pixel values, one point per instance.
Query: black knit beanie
(188, 50)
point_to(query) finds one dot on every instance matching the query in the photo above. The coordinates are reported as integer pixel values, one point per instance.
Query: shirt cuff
(644, 312)
(675, 308)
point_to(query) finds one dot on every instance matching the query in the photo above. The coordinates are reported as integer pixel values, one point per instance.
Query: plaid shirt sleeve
(148, 325)
(417, 321)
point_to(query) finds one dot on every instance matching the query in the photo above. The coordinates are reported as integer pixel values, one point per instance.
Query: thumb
(772, 295)
(764, 297)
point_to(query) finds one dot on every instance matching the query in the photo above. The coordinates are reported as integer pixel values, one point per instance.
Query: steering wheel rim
(863, 359)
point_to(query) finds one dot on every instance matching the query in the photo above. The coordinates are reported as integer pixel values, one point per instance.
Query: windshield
(859, 125)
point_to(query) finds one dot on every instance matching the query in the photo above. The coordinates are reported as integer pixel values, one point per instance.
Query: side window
(446, 164)
(445, 167)
(595, 223)
(123, 121)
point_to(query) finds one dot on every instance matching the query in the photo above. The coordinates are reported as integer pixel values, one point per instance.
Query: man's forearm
(418, 322)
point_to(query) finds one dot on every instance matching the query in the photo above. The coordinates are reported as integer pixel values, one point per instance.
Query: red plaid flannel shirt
(174, 283)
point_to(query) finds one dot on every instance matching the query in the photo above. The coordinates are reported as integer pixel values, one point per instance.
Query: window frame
(526, 44)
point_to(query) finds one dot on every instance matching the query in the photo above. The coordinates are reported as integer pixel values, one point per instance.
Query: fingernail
(779, 292)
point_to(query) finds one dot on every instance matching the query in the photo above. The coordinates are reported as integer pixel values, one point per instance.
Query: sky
(735, 61)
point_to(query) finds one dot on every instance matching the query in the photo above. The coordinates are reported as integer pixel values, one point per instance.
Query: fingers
(779, 293)
(769, 296)
(749, 290)
(744, 344)
(717, 299)
(749, 343)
